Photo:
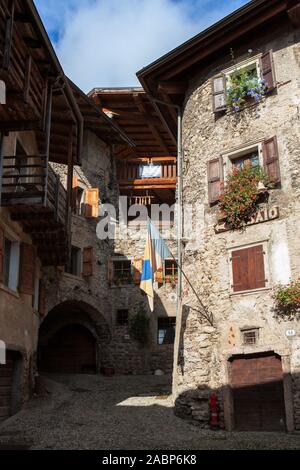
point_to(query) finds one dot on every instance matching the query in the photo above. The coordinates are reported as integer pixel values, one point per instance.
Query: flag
(156, 252)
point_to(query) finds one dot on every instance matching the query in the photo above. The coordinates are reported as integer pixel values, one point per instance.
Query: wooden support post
(27, 78)
(57, 187)
(8, 37)
(69, 195)
(48, 135)
(1, 164)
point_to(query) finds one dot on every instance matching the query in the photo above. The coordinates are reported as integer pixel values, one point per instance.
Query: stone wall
(205, 350)
(19, 323)
(122, 352)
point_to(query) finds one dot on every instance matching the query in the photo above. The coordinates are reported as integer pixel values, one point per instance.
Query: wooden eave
(168, 78)
(97, 121)
(32, 68)
(135, 114)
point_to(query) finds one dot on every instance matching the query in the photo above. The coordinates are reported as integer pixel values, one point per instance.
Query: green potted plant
(244, 86)
(241, 195)
(287, 298)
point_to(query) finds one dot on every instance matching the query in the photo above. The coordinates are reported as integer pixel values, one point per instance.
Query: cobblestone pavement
(92, 412)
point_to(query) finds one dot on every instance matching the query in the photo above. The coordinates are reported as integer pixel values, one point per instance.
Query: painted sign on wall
(264, 215)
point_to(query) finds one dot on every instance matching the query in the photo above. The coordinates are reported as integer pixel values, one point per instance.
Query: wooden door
(258, 394)
(6, 382)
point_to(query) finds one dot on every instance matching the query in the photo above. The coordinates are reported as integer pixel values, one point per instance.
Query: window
(265, 154)
(122, 317)
(75, 265)
(36, 296)
(166, 330)
(249, 160)
(171, 270)
(250, 337)
(122, 272)
(261, 66)
(248, 269)
(11, 264)
(249, 156)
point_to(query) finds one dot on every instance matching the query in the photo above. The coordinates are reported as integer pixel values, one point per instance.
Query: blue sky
(103, 43)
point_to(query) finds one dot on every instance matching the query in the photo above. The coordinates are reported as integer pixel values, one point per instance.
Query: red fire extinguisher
(214, 423)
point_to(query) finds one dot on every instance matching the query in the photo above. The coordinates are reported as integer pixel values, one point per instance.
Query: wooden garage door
(72, 350)
(6, 380)
(258, 395)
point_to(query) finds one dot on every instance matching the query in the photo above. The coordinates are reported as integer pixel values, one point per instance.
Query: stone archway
(73, 339)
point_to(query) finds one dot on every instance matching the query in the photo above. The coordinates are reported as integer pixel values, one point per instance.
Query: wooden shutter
(271, 160)
(137, 269)
(159, 276)
(74, 193)
(92, 203)
(219, 93)
(110, 270)
(27, 269)
(248, 269)
(267, 70)
(215, 179)
(42, 299)
(1, 254)
(87, 262)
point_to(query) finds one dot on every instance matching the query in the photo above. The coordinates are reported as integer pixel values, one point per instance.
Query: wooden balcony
(129, 175)
(36, 198)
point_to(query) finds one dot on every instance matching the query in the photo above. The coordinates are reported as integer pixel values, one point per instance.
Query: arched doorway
(73, 339)
(71, 350)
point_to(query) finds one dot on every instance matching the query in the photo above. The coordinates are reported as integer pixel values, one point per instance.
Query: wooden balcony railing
(129, 176)
(35, 197)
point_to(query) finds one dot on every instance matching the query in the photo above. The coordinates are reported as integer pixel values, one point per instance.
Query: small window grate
(250, 337)
(122, 317)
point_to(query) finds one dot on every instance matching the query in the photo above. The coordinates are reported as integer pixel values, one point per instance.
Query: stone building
(230, 339)
(39, 123)
(90, 303)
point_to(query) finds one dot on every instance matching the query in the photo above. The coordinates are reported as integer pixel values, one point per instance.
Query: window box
(246, 83)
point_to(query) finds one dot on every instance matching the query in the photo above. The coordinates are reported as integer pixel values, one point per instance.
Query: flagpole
(206, 316)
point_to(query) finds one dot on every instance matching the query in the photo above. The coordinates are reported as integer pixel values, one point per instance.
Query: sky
(103, 43)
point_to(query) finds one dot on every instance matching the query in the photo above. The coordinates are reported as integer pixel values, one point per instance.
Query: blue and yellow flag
(156, 252)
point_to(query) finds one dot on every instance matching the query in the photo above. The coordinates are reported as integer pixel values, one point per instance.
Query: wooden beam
(174, 87)
(32, 43)
(8, 37)
(294, 15)
(27, 78)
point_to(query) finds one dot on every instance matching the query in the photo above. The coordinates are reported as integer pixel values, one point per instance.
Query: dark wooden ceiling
(135, 114)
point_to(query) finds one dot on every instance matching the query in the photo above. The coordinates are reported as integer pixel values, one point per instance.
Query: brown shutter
(87, 262)
(215, 179)
(267, 70)
(257, 276)
(271, 159)
(110, 270)
(42, 300)
(1, 254)
(27, 269)
(219, 93)
(92, 203)
(74, 192)
(137, 269)
(159, 276)
(248, 269)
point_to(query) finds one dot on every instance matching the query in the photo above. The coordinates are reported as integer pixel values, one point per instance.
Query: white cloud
(105, 42)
